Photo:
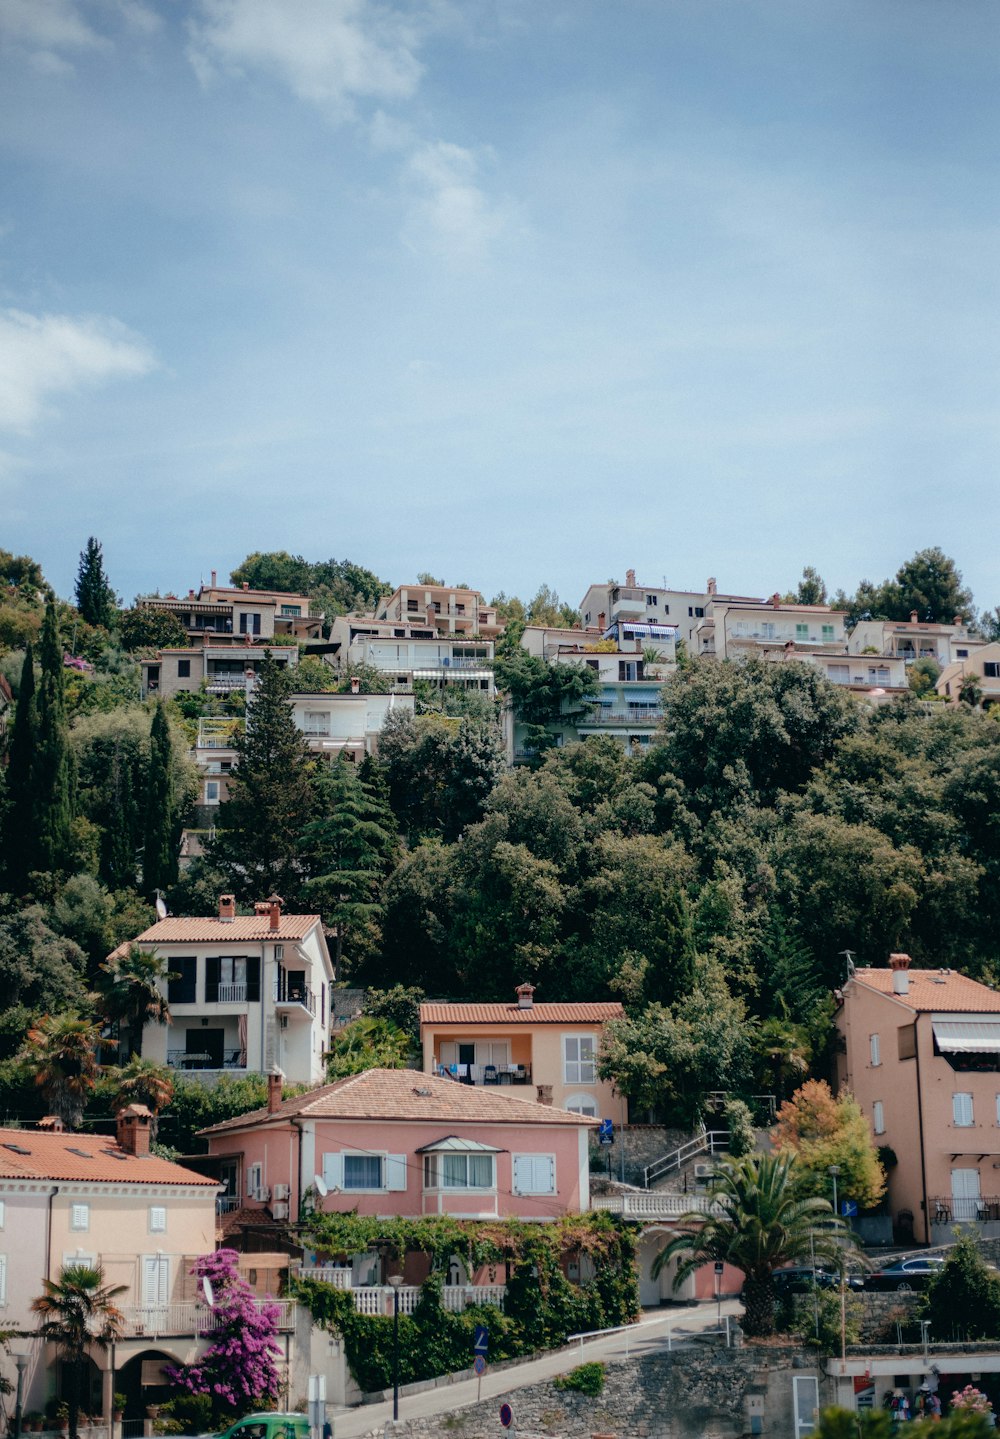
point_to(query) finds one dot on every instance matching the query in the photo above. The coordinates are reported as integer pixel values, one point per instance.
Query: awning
(451, 1144)
(972, 1036)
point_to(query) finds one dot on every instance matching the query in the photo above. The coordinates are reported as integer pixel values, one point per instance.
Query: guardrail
(377, 1299)
(711, 1142)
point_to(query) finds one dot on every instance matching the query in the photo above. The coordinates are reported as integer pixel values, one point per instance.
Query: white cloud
(451, 211)
(329, 52)
(45, 355)
(46, 25)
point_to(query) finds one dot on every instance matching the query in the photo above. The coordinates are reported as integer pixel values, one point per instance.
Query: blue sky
(509, 290)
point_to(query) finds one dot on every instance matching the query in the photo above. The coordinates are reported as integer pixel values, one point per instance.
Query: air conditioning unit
(279, 1211)
(703, 1173)
(282, 1191)
(263, 1194)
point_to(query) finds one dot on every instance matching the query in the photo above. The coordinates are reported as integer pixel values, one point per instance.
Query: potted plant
(62, 1415)
(118, 1407)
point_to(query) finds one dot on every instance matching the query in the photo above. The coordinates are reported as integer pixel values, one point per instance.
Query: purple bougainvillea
(239, 1370)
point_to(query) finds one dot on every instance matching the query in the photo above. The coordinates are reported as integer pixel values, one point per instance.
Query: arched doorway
(142, 1381)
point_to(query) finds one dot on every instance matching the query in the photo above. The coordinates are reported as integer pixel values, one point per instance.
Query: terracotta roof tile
(211, 930)
(70, 1156)
(406, 1094)
(592, 1013)
(937, 989)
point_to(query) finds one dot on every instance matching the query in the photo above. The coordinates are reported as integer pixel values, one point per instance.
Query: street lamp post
(21, 1360)
(834, 1170)
(395, 1280)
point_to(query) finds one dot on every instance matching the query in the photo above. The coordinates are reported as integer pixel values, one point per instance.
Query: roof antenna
(849, 956)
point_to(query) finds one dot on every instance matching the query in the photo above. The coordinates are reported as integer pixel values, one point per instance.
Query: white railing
(328, 1274)
(710, 1141)
(232, 993)
(376, 1299)
(652, 1206)
(190, 1318)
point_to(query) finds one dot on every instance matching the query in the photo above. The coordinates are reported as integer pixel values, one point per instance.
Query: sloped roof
(406, 1094)
(244, 929)
(935, 989)
(69, 1156)
(583, 1013)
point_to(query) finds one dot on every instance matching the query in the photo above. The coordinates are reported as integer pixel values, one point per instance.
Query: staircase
(709, 1141)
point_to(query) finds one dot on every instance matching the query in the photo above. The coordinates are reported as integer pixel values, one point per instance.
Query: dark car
(906, 1274)
(799, 1278)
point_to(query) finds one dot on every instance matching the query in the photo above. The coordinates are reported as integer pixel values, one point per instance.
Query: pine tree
(259, 826)
(19, 835)
(95, 599)
(349, 847)
(52, 779)
(159, 862)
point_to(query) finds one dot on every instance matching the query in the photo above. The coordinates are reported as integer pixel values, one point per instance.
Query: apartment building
(920, 1051)
(221, 615)
(446, 610)
(737, 629)
(408, 650)
(545, 1049)
(248, 993)
(982, 664)
(911, 640)
(223, 668)
(634, 604)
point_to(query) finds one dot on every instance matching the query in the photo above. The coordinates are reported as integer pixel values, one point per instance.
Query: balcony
(651, 1207)
(187, 1059)
(189, 1319)
(483, 1074)
(290, 996)
(217, 732)
(376, 1299)
(635, 716)
(949, 1209)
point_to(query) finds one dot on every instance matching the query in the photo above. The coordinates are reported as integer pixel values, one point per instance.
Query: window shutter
(961, 1108)
(520, 1176)
(80, 1216)
(3, 1279)
(333, 1171)
(213, 969)
(253, 978)
(395, 1171)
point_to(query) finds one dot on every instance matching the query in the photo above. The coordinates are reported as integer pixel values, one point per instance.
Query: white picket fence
(377, 1298)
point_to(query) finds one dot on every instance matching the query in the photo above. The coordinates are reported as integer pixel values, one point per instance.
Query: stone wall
(692, 1394)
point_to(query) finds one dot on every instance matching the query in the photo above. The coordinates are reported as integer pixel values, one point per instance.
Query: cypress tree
(120, 833)
(52, 772)
(95, 599)
(159, 855)
(18, 838)
(259, 826)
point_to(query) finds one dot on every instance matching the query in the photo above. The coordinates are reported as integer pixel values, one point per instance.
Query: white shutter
(534, 1174)
(878, 1117)
(961, 1108)
(876, 1050)
(333, 1171)
(155, 1281)
(79, 1216)
(3, 1211)
(3, 1279)
(965, 1183)
(395, 1171)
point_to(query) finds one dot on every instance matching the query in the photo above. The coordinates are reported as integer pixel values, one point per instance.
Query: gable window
(582, 1104)
(79, 1217)
(878, 1117)
(459, 1171)
(579, 1059)
(873, 1041)
(534, 1174)
(157, 1219)
(961, 1110)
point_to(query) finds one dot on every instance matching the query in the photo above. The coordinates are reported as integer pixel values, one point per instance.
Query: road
(656, 1330)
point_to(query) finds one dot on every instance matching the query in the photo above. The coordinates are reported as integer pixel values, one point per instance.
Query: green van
(268, 1426)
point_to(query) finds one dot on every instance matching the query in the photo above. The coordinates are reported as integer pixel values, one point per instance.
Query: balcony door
(155, 1284)
(205, 1048)
(965, 1194)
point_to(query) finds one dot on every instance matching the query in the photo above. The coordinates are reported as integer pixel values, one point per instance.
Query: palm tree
(77, 1310)
(971, 691)
(755, 1224)
(132, 992)
(60, 1054)
(784, 1047)
(142, 1081)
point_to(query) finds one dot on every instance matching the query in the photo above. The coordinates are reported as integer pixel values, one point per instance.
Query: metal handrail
(710, 1141)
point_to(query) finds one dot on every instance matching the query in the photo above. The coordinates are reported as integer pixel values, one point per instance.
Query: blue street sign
(849, 1208)
(506, 1415)
(606, 1131)
(479, 1365)
(481, 1340)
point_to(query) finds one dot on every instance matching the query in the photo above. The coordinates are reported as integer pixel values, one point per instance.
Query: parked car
(906, 1274)
(798, 1278)
(268, 1426)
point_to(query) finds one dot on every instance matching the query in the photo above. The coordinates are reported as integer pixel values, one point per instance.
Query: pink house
(920, 1050)
(397, 1142)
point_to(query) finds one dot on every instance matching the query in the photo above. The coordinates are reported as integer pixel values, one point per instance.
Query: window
(961, 1110)
(582, 1104)
(878, 1117)
(291, 609)
(827, 633)
(652, 600)
(249, 624)
(873, 1041)
(534, 1174)
(991, 670)
(231, 979)
(767, 630)
(998, 1109)
(579, 1059)
(586, 618)
(696, 612)
(255, 1180)
(155, 1281)
(962, 654)
(181, 987)
(459, 1171)
(79, 1217)
(157, 1219)
(364, 1172)
(3, 1279)
(316, 722)
(801, 632)
(183, 669)
(211, 791)
(3, 1213)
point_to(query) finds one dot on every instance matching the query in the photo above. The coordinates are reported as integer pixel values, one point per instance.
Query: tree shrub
(585, 1379)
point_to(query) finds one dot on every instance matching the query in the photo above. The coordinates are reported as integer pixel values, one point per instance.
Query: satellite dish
(321, 1186)
(208, 1291)
(161, 908)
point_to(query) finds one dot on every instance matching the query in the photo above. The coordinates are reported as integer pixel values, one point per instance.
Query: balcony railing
(485, 1073)
(621, 715)
(188, 1319)
(948, 1209)
(231, 994)
(651, 1206)
(294, 994)
(376, 1299)
(186, 1059)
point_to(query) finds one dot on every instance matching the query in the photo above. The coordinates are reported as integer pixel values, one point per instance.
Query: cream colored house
(445, 609)
(920, 1051)
(224, 668)
(632, 603)
(914, 640)
(548, 1050)
(981, 664)
(223, 614)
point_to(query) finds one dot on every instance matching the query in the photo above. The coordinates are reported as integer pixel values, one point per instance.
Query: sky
(513, 291)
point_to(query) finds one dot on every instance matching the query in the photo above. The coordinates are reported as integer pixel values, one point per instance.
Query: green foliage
(41, 972)
(132, 993)
(368, 1043)
(400, 1005)
(52, 769)
(963, 1300)
(739, 1122)
(161, 828)
(336, 586)
(811, 590)
(928, 583)
(17, 814)
(543, 695)
(60, 1056)
(542, 1307)
(819, 1130)
(843, 1424)
(440, 770)
(584, 1379)
(196, 1106)
(824, 1305)
(95, 599)
(923, 675)
(144, 628)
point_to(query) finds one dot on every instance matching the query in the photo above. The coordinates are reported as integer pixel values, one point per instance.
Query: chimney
(544, 1092)
(959, 620)
(133, 1129)
(525, 996)
(899, 964)
(274, 903)
(630, 579)
(600, 620)
(213, 579)
(52, 1124)
(712, 585)
(274, 1082)
(913, 617)
(355, 684)
(190, 594)
(776, 600)
(227, 907)
(246, 584)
